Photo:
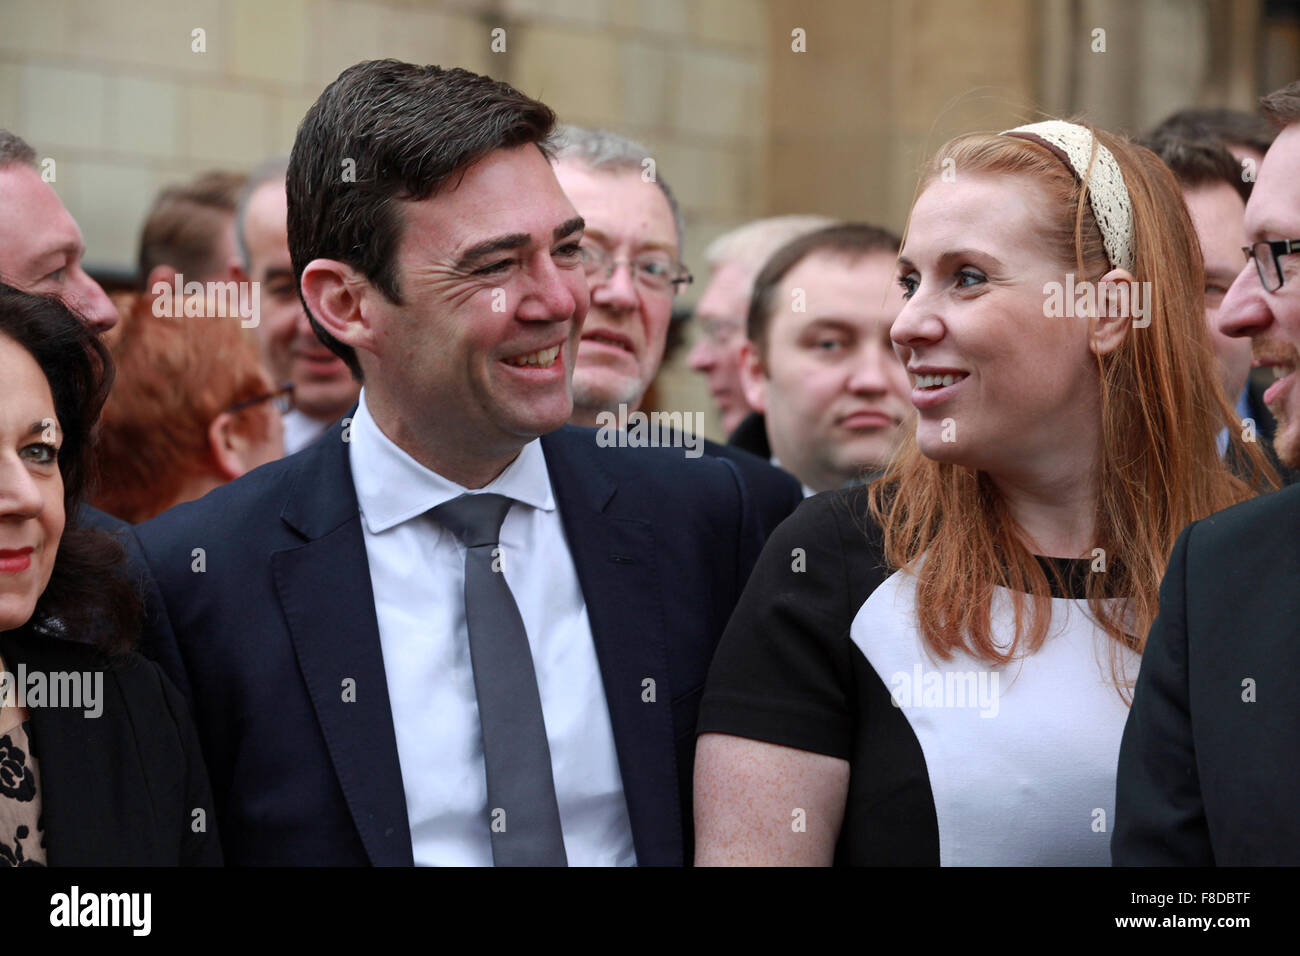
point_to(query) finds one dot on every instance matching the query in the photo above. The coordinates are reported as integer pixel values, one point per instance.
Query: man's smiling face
(482, 348)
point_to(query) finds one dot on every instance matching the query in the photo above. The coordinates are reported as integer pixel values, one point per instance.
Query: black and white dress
(953, 762)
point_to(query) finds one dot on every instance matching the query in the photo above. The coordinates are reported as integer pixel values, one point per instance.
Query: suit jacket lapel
(325, 592)
(613, 547)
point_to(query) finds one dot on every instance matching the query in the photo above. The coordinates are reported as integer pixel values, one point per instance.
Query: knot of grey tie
(523, 814)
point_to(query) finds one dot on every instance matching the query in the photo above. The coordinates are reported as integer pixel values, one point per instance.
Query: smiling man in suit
(452, 631)
(1207, 768)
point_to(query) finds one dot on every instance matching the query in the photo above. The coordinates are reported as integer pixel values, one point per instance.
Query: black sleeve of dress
(783, 671)
(1159, 816)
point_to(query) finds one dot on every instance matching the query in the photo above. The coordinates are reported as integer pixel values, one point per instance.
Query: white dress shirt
(300, 430)
(417, 570)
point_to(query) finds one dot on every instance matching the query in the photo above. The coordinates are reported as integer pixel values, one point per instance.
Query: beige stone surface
(149, 33)
(730, 23)
(558, 67)
(35, 27)
(62, 108)
(671, 17)
(589, 12)
(717, 95)
(142, 116)
(108, 201)
(9, 96)
(288, 111)
(344, 32)
(269, 40)
(224, 127)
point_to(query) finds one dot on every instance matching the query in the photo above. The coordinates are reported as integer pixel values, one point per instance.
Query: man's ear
(336, 295)
(160, 274)
(1123, 303)
(227, 445)
(753, 377)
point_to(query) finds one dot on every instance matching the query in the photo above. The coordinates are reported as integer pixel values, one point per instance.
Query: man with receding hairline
(40, 243)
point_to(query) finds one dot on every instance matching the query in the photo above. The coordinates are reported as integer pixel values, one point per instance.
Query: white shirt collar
(392, 487)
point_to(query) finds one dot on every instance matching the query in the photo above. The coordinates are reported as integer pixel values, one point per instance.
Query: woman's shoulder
(836, 521)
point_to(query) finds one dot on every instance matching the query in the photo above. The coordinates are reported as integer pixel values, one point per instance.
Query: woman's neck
(1055, 512)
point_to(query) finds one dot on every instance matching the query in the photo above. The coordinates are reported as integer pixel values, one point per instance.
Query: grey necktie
(523, 813)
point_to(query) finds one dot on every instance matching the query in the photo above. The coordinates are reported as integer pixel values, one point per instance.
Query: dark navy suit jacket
(1207, 767)
(267, 593)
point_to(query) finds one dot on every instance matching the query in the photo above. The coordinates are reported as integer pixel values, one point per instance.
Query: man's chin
(606, 393)
(1286, 442)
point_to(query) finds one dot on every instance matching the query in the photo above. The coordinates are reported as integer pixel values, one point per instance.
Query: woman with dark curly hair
(99, 761)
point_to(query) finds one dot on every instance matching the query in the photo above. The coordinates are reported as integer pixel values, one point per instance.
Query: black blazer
(119, 789)
(1207, 777)
(776, 493)
(283, 613)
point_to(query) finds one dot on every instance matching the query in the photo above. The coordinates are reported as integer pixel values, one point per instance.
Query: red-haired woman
(934, 669)
(190, 410)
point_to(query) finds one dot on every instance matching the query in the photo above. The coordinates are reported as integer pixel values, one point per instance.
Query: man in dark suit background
(373, 664)
(1207, 769)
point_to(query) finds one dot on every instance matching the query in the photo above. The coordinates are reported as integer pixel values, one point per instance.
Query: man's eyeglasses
(653, 271)
(1268, 256)
(281, 399)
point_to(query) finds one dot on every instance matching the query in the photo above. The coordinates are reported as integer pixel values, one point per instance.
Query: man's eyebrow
(514, 240)
(278, 272)
(568, 227)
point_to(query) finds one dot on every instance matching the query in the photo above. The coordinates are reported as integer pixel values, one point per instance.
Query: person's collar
(392, 487)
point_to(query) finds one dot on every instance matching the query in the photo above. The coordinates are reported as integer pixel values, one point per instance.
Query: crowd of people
(322, 522)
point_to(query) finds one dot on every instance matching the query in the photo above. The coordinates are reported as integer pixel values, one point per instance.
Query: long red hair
(1162, 409)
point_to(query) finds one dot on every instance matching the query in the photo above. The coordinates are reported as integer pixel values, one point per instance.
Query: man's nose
(92, 302)
(870, 372)
(703, 355)
(1245, 310)
(555, 295)
(617, 292)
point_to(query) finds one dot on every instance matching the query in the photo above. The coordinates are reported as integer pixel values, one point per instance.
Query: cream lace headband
(1107, 194)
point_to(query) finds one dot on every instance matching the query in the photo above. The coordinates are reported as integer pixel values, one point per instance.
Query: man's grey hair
(272, 170)
(602, 151)
(15, 149)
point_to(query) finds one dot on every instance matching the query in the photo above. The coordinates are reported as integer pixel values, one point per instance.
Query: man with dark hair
(433, 636)
(819, 363)
(1216, 196)
(1207, 770)
(632, 219)
(323, 386)
(734, 259)
(1246, 136)
(190, 231)
(40, 244)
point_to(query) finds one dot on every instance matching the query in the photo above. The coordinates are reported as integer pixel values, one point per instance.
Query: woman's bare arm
(759, 804)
